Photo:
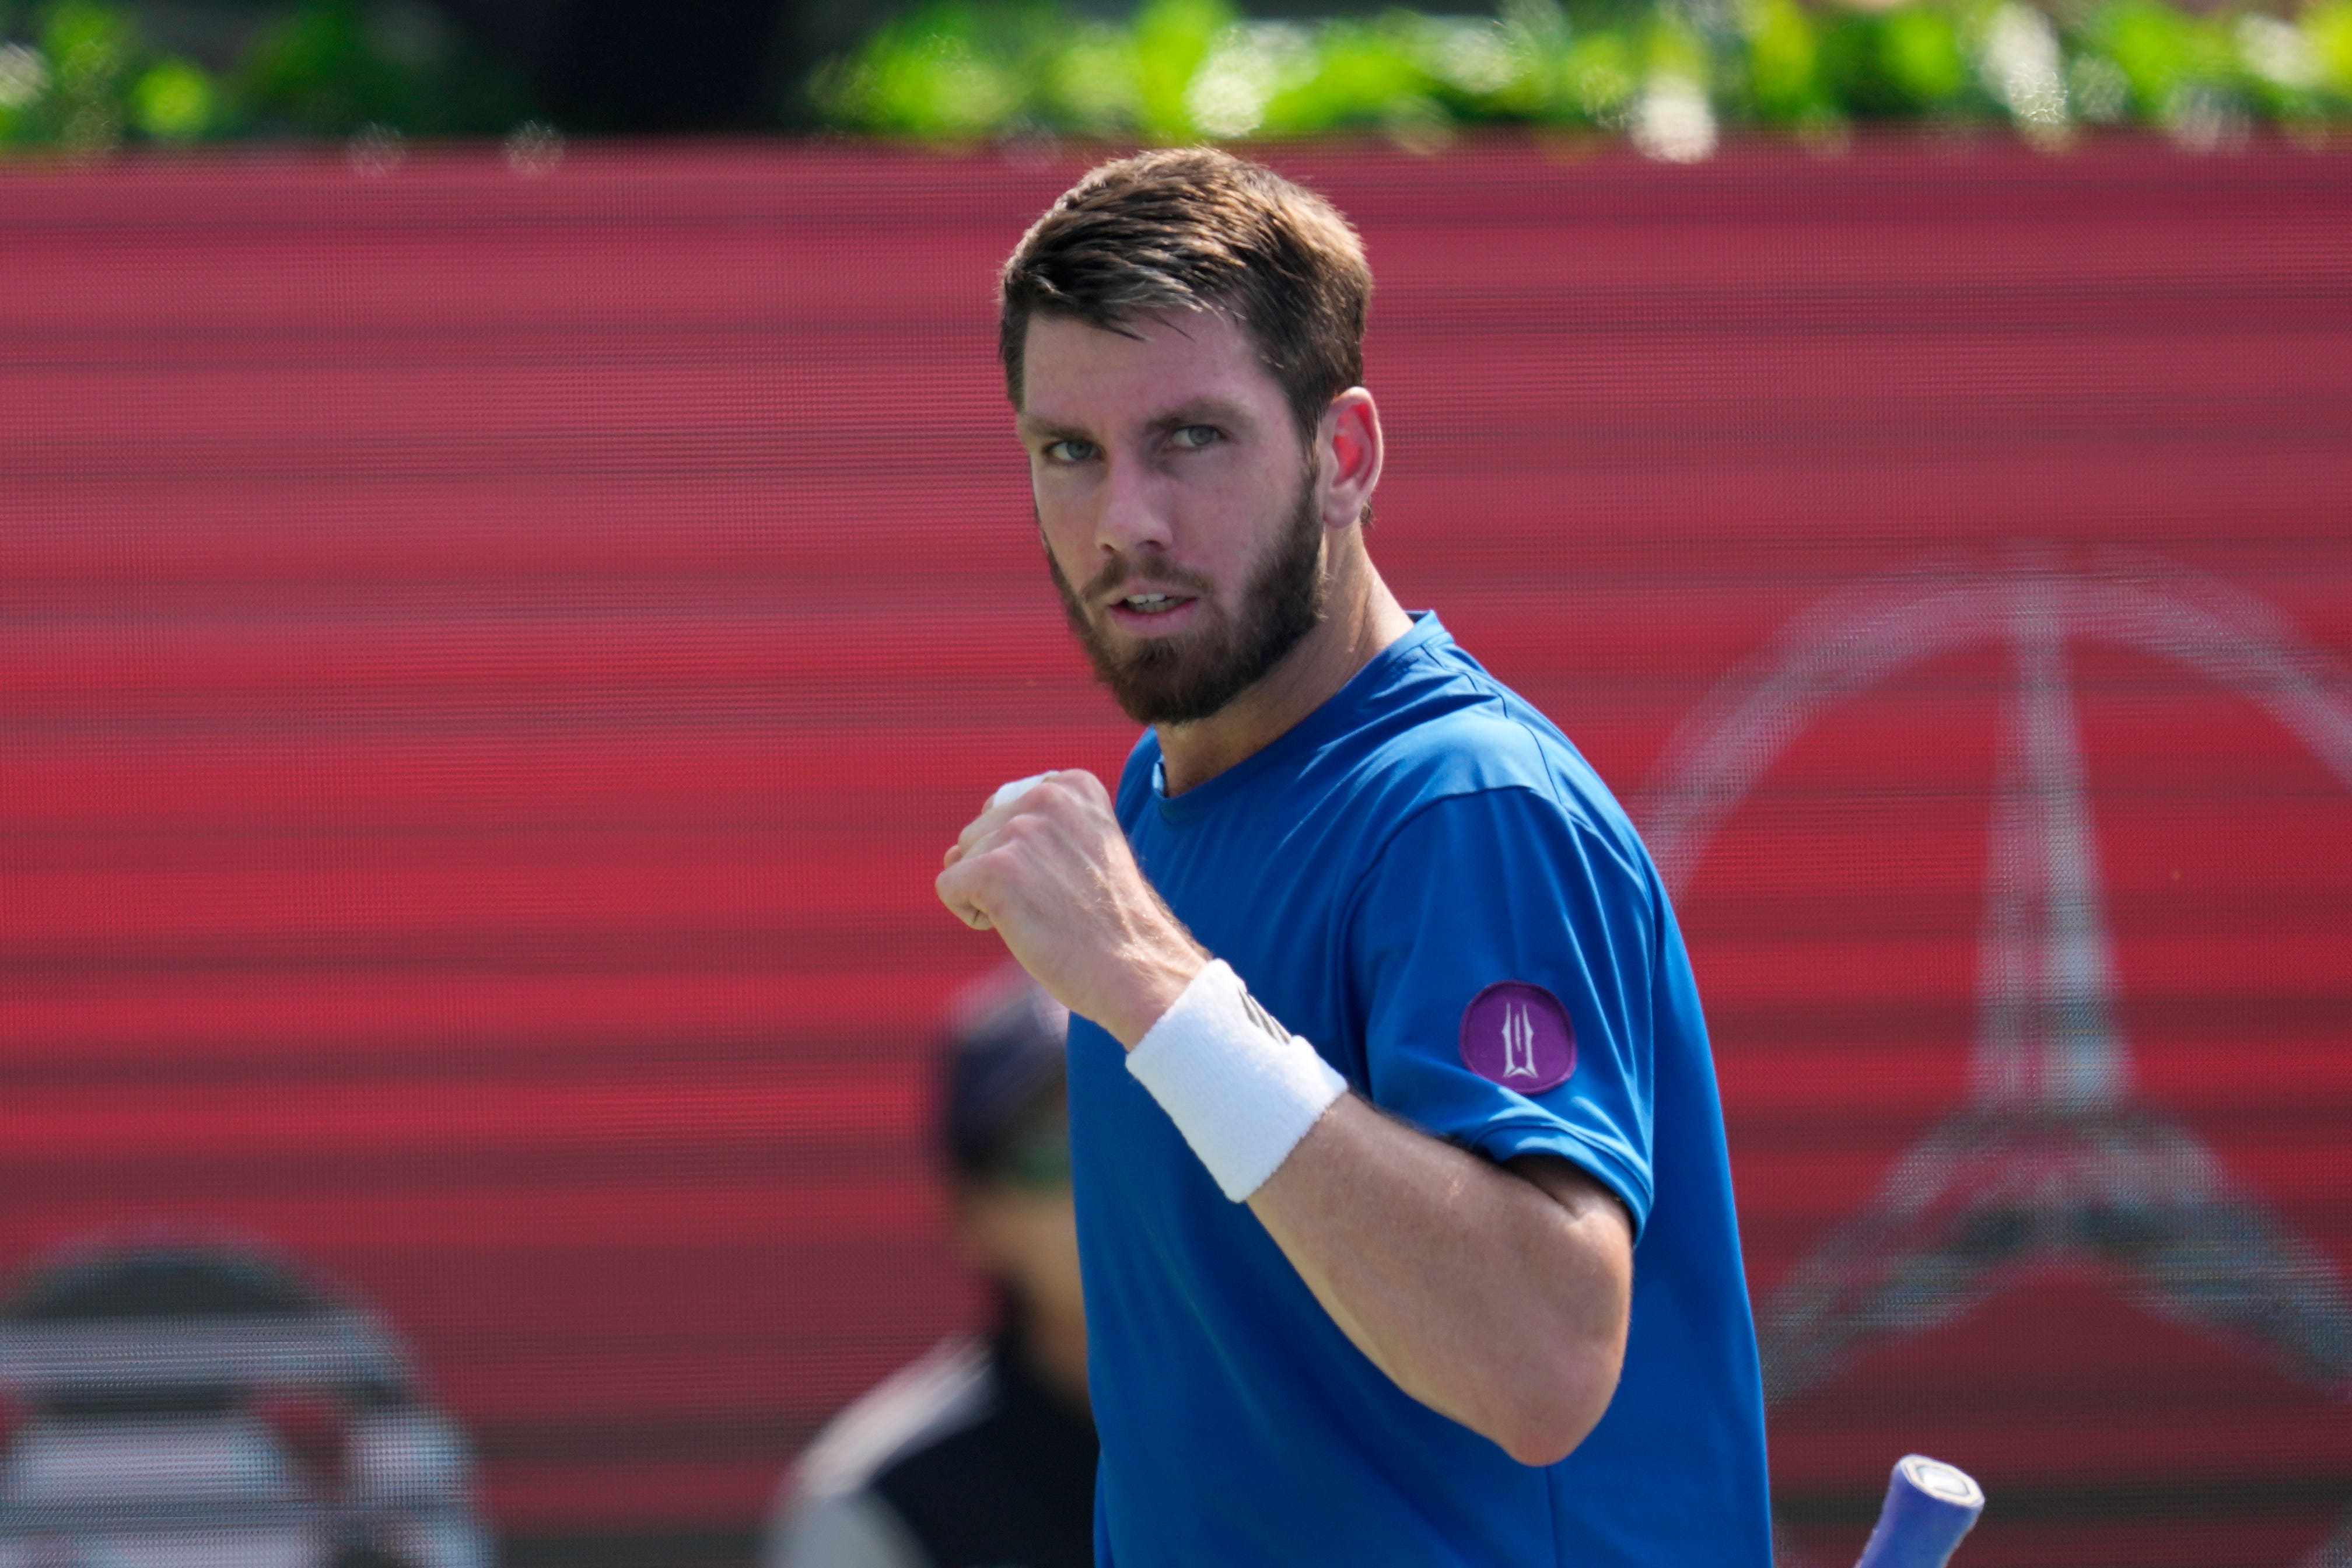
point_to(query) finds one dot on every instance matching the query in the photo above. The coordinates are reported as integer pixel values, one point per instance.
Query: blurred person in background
(981, 1454)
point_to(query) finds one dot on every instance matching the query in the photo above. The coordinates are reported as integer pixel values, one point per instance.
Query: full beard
(1180, 679)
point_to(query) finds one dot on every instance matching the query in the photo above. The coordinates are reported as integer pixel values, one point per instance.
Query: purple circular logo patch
(1518, 1035)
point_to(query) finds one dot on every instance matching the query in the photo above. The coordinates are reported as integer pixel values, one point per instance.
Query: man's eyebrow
(1037, 429)
(1210, 410)
(1201, 410)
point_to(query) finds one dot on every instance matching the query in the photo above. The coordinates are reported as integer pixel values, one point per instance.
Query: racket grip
(1930, 1506)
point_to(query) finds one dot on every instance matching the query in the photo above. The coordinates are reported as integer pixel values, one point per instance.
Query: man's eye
(1198, 435)
(1069, 451)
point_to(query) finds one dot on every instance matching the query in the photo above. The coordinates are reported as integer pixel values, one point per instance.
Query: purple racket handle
(1930, 1506)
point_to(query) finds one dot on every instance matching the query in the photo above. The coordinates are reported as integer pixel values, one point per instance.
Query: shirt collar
(1336, 716)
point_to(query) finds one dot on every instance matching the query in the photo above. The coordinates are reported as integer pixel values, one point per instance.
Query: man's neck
(1055, 1350)
(1362, 618)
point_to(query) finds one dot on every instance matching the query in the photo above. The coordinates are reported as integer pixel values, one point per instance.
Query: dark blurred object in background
(211, 1408)
(86, 75)
(660, 65)
(611, 66)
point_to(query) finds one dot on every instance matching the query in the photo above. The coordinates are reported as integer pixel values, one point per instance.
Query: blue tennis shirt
(1425, 879)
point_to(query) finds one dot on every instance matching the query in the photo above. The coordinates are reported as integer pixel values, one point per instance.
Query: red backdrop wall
(490, 661)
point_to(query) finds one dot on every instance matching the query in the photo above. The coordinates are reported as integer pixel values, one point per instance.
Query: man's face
(1180, 517)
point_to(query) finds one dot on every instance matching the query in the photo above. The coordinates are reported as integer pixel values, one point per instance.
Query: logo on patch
(1518, 1035)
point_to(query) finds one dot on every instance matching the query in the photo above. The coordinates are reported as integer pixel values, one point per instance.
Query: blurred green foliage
(78, 74)
(956, 72)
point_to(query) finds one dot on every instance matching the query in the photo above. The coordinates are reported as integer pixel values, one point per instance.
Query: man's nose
(1134, 509)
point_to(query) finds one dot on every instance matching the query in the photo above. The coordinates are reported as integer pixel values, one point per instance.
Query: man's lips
(1152, 611)
(1144, 601)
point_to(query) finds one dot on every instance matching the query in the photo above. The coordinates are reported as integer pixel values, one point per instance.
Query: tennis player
(1404, 1216)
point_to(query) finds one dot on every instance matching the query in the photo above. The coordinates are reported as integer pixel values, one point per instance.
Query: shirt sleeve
(1502, 952)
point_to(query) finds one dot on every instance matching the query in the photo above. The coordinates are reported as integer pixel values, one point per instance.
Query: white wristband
(1240, 1089)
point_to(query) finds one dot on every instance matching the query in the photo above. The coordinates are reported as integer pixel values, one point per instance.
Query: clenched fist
(1050, 872)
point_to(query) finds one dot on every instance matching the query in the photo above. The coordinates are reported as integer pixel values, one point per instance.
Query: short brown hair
(1191, 229)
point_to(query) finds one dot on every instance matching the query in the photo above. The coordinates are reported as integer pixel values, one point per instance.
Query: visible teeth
(1149, 600)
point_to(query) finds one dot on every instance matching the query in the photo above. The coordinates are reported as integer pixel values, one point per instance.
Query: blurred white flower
(534, 147)
(1674, 121)
(1473, 56)
(374, 151)
(2021, 66)
(90, 129)
(1602, 87)
(2098, 88)
(2204, 121)
(1542, 22)
(2279, 50)
(23, 76)
(1251, 62)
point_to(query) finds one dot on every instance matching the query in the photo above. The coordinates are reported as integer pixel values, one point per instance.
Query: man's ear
(1347, 457)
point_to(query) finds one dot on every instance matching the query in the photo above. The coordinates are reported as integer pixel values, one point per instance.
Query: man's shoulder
(1458, 757)
(1456, 730)
(849, 1530)
(948, 1389)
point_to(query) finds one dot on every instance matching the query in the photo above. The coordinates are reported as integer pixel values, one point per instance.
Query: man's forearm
(1496, 1297)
